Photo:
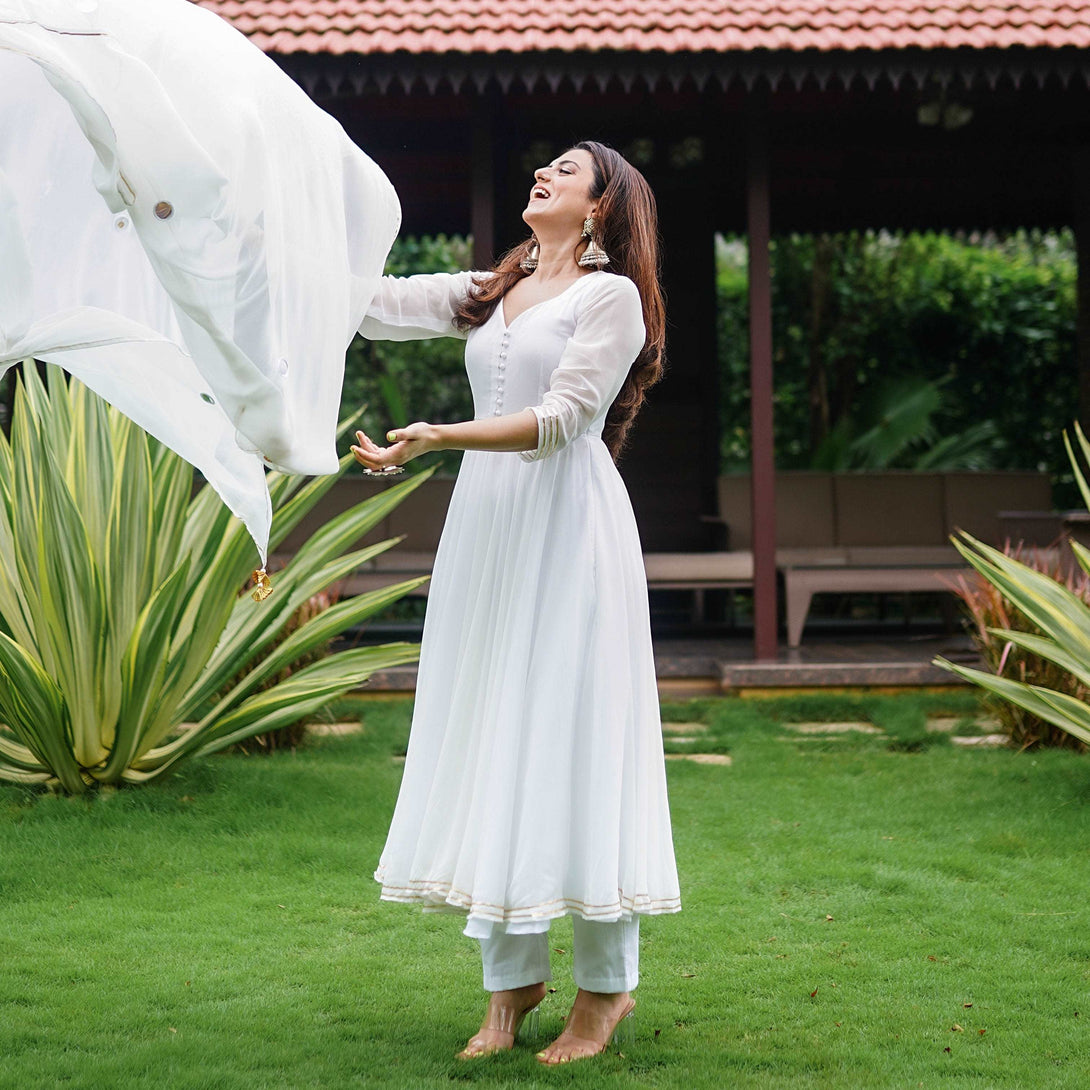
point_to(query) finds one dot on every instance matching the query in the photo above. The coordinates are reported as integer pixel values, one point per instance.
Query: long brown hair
(626, 227)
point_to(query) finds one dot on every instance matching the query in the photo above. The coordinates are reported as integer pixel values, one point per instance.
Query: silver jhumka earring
(593, 257)
(529, 262)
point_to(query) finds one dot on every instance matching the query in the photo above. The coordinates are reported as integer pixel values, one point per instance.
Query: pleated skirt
(534, 783)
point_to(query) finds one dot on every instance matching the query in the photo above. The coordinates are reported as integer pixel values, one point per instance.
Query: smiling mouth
(539, 193)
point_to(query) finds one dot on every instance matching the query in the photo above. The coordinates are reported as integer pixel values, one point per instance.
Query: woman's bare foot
(589, 1028)
(506, 1011)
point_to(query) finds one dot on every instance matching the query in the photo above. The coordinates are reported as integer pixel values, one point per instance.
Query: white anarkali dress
(534, 784)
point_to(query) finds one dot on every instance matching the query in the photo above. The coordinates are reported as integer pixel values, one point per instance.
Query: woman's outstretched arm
(413, 308)
(514, 432)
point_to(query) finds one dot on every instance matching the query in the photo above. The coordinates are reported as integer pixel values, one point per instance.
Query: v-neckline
(503, 314)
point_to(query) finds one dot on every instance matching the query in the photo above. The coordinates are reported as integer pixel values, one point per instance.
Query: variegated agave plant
(1061, 616)
(120, 618)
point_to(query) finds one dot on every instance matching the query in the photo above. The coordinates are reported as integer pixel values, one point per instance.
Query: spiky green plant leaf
(120, 604)
(1077, 463)
(1060, 615)
(1063, 711)
(1048, 604)
(1046, 649)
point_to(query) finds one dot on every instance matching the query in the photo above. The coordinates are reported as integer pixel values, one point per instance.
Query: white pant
(606, 957)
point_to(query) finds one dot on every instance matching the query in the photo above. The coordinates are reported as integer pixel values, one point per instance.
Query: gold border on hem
(442, 894)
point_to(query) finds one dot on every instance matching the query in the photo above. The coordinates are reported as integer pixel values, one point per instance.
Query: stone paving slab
(981, 741)
(949, 723)
(336, 729)
(833, 728)
(701, 758)
(684, 728)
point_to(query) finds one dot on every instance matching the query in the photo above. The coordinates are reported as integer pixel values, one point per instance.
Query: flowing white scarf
(183, 230)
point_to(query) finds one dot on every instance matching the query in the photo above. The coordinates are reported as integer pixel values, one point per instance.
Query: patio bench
(807, 572)
(881, 532)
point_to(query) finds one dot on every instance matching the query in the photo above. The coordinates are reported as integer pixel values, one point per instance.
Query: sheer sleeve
(414, 308)
(609, 334)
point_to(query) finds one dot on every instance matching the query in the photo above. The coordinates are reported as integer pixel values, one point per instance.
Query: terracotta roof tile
(670, 26)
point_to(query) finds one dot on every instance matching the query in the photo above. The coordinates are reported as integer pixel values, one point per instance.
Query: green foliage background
(993, 317)
(992, 320)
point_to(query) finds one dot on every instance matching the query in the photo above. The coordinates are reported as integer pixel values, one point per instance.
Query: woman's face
(560, 197)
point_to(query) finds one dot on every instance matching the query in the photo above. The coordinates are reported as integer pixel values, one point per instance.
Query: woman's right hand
(406, 444)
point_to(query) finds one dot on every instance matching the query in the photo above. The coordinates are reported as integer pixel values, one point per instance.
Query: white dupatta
(183, 230)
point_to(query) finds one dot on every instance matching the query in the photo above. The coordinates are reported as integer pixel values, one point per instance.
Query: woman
(534, 784)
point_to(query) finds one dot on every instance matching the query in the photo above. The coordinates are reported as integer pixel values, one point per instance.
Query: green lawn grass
(847, 904)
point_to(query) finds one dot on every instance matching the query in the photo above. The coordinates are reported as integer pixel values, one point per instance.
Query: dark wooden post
(763, 479)
(1081, 223)
(483, 181)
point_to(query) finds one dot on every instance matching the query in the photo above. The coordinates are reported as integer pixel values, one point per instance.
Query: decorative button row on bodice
(501, 365)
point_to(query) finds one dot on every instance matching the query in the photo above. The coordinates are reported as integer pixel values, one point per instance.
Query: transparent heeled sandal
(625, 1032)
(519, 1025)
(530, 1029)
(596, 1031)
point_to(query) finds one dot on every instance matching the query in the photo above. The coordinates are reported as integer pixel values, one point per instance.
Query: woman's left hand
(406, 444)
